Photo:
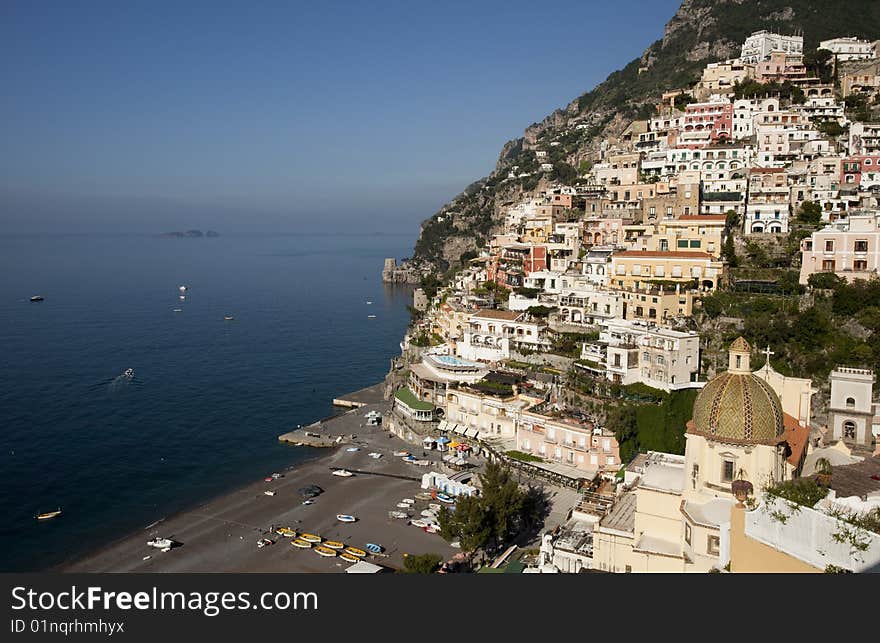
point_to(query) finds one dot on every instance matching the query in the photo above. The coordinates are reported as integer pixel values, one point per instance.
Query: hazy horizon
(151, 117)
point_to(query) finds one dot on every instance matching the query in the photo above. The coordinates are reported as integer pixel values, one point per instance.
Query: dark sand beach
(221, 535)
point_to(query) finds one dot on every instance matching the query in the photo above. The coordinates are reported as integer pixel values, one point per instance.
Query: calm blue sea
(209, 397)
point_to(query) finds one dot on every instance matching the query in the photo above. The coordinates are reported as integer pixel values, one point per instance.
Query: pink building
(706, 123)
(862, 171)
(850, 248)
(604, 230)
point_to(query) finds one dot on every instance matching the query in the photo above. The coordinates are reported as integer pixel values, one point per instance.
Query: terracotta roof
(507, 315)
(795, 435)
(660, 253)
(766, 170)
(857, 479)
(702, 217)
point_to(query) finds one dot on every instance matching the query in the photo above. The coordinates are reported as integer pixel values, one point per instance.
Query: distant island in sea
(189, 234)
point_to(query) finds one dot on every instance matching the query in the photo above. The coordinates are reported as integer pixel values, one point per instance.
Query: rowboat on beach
(349, 558)
(408, 501)
(302, 544)
(398, 514)
(325, 551)
(342, 473)
(418, 522)
(269, 493)
(345, 518)
(434, 506)
(403, 505)
(400, 453)
(429, 513)
(373, 548)
(287, 532)
(334, 544)
(311, 538)
(354, 551)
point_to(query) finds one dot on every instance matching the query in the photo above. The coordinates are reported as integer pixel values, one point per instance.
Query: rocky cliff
(700, 32)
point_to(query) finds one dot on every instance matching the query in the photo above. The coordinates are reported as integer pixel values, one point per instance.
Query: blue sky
(282, 116)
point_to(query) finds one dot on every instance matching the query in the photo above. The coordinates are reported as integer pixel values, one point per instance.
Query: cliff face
(700, 32)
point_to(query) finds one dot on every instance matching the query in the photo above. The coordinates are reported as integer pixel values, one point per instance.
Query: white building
(492, 335)
(849, 48)
(760, 44)
(853, 416)
(636, 351)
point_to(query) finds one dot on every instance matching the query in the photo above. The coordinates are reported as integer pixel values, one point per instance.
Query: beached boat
(345, 518)
(375, 456)
(434, 506)
(408, 501)
(420, 463)
(342, 473)
(311, 538)
(161, 543)
(349, 558)
(373, 548)
(263, 542)
(402, 505)
(334, 544)
(325, 551)
(433, 528)
(269, 493)
(400, 453)
(423, 496)
(287, 532)
(308, 502)
(302, 544)
(442, 497)
(354, 551)
(353, 449)
(418, 522)
(398, 514)
(429, 513)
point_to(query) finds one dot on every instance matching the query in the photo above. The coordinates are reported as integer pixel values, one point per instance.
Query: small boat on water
(354, 551)
(49, 514)
(129, 373)
(325, 551)
(182, 298)
(178, 310)
(349, 558)
(302, 544)
(342, 473)
(287, 532)
(345, 518)
(371, 316)
(182, 288)
(228, 318)
(369, 302)
(310, 538)
(373, 548)
(334, 544)
(36, 298)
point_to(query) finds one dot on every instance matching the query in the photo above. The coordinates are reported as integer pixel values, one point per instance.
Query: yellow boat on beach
(325, 551)
(287, 532)
(334, 544)
(349, 558)
(354, 551)
(302, 544)
(311, 538)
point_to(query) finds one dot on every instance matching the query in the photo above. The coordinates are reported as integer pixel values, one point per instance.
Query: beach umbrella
(443, 440)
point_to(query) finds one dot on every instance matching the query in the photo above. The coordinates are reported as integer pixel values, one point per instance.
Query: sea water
(209, 397)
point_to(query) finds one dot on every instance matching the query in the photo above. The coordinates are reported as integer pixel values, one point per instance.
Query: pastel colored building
(634, 269)
(850, 248)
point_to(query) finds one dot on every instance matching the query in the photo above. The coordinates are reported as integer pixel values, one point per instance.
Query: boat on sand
(311, 538)
(342, 473)
(302, 544)
(325, 551)
(354, 551)
(345, 518)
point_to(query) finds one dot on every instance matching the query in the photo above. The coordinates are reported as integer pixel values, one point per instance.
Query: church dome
(738, 406)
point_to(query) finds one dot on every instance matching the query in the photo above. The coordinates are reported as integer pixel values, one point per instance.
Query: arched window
(849, 429)
(850, 403)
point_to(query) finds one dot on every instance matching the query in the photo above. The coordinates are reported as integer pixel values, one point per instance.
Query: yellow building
(739, 432)
(635, 269)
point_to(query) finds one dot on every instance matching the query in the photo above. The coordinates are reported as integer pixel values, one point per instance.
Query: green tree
(423, 564)
(810, 213)
(728, 251)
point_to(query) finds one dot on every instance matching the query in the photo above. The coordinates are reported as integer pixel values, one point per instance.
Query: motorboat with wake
(36, 298)
(48, 515)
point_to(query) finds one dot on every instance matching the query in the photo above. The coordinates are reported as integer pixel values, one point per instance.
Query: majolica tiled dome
(737, 406)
